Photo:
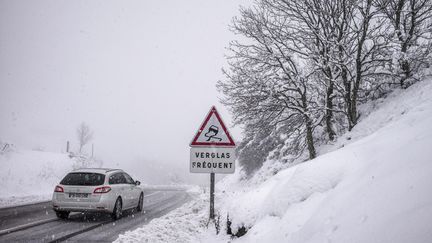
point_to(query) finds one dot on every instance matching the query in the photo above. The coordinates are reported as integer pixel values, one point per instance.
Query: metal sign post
(212, 187)
(212, 151)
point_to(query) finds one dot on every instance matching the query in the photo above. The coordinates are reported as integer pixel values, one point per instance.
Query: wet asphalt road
(82, 227)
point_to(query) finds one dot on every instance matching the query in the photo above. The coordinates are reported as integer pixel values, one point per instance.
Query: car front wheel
(140, 203)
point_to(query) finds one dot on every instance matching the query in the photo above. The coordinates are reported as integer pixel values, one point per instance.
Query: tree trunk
(309, 139)
(309, 129)
(406, 70)
(404, 65)
(329, 106)
(359, 64)
(344, 74)
(347, 97)
(353, 111)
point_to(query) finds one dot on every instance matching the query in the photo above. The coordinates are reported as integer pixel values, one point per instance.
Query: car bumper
(81, 207)
(102, 205)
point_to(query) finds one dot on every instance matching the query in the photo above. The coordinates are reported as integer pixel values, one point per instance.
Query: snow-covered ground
(180, 225)
(30, 176)
(372, 185)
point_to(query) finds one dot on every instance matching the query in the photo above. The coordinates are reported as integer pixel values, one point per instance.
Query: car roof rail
(109, 170)
(105, 169)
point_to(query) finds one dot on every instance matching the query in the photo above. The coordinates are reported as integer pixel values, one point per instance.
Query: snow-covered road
(37, 222)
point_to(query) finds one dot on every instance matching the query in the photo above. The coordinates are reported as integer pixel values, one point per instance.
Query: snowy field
(30, 176)
(372, 185)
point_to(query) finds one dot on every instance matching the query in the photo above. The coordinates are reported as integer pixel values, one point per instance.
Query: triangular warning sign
(213, 132)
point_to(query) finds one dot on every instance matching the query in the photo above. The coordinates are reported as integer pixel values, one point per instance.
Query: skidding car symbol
(212, 132)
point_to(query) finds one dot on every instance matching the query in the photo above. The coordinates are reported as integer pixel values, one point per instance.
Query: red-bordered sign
(213, 132)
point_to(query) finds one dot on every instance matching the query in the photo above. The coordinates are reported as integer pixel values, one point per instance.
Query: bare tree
(411, 33)
(344, 42)
(304, 66)
(84, 135)
(266, 82)
(368, 50)
(311, 32)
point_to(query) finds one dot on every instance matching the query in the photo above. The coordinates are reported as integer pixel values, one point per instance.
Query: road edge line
(26, 226)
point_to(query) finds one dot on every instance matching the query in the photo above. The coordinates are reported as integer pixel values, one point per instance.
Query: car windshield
(83, 179)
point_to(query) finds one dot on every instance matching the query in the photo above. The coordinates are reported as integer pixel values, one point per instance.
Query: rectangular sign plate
(212, 160)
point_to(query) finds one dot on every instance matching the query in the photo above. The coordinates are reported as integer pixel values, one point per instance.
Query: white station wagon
(97, 190)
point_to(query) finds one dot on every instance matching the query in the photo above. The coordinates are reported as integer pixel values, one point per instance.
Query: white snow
(375, 189)
(372, 185)
(30, 176)
(180, 225)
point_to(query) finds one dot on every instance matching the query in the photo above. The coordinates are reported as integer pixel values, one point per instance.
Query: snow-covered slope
(375, 189)
(30, 176)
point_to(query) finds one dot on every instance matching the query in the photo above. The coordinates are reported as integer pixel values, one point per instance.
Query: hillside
(30, 176)
(372, 185)
(374, 189)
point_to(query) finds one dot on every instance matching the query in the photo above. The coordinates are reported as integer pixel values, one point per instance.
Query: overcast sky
(142, 74)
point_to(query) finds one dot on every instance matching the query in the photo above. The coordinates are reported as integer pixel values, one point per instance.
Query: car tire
(62, 214)
(117, 212)
(140, 203)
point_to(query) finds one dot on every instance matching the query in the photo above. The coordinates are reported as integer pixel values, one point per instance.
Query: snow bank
(376, 188)
(30, 176)
(180, 225)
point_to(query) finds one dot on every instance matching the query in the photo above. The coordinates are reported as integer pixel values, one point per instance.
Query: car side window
(117, 178)
(129, 179)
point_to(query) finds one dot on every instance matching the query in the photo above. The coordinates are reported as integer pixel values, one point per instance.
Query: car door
(132, 190)
(118, 184)
(126, 192)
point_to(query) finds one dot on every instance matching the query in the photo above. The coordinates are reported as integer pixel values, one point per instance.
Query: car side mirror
(137, 183)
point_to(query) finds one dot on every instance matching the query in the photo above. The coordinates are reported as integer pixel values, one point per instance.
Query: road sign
(213, 132)
(212, 151)
(212, 160)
